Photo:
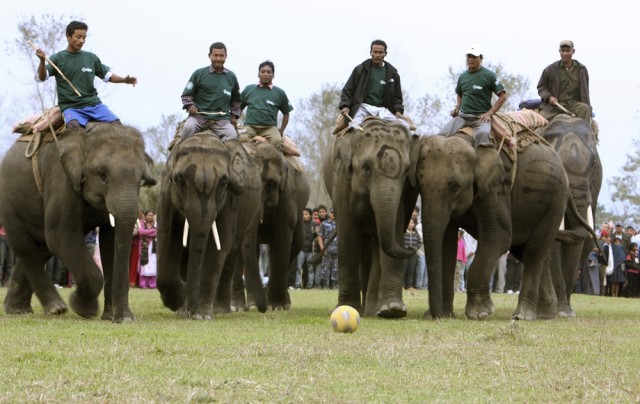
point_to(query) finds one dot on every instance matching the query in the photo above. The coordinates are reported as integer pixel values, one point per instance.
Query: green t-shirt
(213, 92)
(263, 104)
(476, 89)
(375, 95)
(81, 68)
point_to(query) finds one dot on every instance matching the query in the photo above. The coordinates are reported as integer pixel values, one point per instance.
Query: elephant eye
(224, 181)
(179, 180)
(366, 169)
(103, 176)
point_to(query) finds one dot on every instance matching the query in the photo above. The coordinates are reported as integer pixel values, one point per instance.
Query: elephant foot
(222, 309)
(479, 306)
(279, 301)
(15, 305)
(203, 312)
(567, 314)
(83, 308)
(123, 316)
(107, 314)
(564, 310)
(392, 309)
(431, 315)
(55, 308)
(524, 312)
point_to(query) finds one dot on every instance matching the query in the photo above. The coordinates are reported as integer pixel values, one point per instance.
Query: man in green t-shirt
(212, 98)
(80, 68)
(263, 101)
(373, 89)
(473, 103)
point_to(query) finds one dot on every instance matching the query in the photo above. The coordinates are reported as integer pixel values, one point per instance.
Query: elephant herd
(220, 200)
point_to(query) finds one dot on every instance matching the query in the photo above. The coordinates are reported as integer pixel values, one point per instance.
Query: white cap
(474, 50)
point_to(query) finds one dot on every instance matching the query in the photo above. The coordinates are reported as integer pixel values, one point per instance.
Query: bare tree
(315, 120)
(47, 32)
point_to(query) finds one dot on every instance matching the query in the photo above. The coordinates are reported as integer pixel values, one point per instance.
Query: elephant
(210, 191)
(506, 205)
(285, 193)
(86, 179)
(575, 142)
(365, 174)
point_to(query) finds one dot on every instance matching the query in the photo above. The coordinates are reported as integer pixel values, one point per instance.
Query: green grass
(296, 356)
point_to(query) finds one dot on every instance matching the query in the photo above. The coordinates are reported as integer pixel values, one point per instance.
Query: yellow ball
(345, 319)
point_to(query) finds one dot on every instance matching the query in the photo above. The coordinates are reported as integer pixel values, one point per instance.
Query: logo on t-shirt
(226, 92)
(270, 102)
(477, 87)
(382, 82)
(86, 69)
(189, 86)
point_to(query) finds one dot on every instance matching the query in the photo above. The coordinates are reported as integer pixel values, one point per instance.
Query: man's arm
(119, 79)
(285, 121)
(42, 69)
(346, 97)
(543, 88)
(502, 97)
(398, 101)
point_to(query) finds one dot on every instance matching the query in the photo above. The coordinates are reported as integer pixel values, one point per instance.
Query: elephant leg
(19, 292)
(533, 260)
(210, 276)
(370, 305)
(353, 279)
(559, 288)
(449, 253)
(223, 301)
(570, 263)
(239, 297)
(390, 303)
(547, 307)
(280, 265)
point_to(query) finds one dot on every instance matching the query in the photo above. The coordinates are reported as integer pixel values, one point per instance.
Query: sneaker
(57, 286)
(509, 292)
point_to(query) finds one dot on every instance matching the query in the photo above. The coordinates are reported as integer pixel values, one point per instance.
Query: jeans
(422, 280)
(304, 258)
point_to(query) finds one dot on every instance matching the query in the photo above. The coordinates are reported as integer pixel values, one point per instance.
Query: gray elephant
(48, 203)
(366, 177)
(285, 193)
(210, 197)
(506, 205)
(575, 142)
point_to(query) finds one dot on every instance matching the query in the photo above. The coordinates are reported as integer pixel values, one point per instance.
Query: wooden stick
(211, 113)
(56, 67)
(352, 121)
(566, 111)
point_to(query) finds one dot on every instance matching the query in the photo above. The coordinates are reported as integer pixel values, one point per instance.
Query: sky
(317, 43)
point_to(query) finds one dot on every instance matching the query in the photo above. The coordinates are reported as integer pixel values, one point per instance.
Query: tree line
(313, 120)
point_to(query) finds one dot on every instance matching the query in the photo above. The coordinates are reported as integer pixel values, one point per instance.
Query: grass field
(296, 356)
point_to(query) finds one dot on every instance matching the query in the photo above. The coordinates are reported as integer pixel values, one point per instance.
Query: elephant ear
(343, 154)
(414, 156)
(71, 151)
(148, 180)
(238, 162)
(489, 171)
(285, 174)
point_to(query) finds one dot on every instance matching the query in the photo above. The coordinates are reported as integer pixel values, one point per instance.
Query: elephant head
(376, 162)
(201, 177)
(107, 164)
(274, 172)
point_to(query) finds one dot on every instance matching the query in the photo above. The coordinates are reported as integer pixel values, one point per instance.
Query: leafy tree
(315, 120)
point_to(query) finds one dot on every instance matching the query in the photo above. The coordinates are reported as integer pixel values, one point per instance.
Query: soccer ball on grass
(345, 319)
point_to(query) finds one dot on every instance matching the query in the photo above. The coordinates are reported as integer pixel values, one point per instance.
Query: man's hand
(486, 117)
(130, 80)
(553, 100)
(41, 55)
(455, 111)
(192, 110)
(344, 111)
(234, 121)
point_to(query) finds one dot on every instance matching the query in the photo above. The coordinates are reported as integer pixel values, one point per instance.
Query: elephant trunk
(125, 214)
(385, 201)
(199, 230)
(434, 226)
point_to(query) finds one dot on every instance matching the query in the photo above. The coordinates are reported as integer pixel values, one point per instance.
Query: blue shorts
(98, 112)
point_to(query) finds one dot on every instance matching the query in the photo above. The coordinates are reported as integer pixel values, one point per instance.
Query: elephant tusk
(112, 220)
(562, 224)
(216, 237)
(590, 216)
(185, 233)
